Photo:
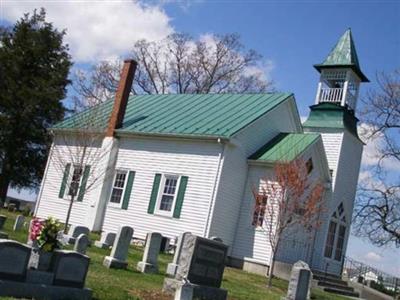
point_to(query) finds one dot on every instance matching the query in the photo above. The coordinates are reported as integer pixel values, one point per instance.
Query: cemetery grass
(133, 285)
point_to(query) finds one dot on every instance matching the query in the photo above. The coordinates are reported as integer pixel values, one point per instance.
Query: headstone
(149, 263)
(165, 244)
(70, 268)
(217, 239)
(11, 207)
(106, 241)
(74, 232)
(300, 282)
(119, 252)
(19, 222)
(173, 266)
(14, 259)
(201, 263)
(188, 291)
(2, 221)
(81, 243)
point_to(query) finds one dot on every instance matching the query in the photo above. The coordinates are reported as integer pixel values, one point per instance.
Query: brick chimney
(121, 97)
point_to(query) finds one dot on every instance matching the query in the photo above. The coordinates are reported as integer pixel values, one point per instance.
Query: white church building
(176, 163)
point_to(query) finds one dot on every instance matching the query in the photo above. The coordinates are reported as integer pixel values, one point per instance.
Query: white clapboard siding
(197, 160)
(234, 171)
(348, 164)
(283, 118)
(229, 196)
(49, 204)
(250, 242)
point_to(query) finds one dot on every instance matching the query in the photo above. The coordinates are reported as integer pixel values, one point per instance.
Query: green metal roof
(285, 147)
(330, 115)
(344, 54)
(212, 115)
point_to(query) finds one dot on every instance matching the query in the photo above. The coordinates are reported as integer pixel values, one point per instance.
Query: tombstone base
(42, 291)
(171, 269)
(189, 291)
(39, 277)
(3, 235)
(146, 268)
(101, 245)
(113, 263)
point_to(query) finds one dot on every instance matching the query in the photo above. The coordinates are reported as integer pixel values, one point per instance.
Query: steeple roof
(344, 54)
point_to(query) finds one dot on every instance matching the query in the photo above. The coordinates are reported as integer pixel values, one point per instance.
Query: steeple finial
(344, 54)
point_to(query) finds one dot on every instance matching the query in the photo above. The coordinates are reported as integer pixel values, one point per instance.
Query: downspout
(214, 192)
(44, 178)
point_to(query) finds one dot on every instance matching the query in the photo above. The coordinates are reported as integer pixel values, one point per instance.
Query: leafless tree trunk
(288, 202)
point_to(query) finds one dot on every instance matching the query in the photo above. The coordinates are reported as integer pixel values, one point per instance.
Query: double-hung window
(167, 195)
(75, 180)
(118, 188)
(259, 210)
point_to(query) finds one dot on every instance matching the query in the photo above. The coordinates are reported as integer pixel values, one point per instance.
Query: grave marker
(149, 263)
(119, 252)
(19, 222)
(81, 243)
(300, 282)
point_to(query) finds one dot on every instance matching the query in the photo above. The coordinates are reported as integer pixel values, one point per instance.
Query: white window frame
(164, 177)
(67, 196)
(113, 204)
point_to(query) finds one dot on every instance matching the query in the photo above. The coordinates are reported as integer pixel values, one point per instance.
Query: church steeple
(341, 75)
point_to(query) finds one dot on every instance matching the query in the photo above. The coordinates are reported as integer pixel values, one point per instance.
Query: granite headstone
(81, 243)
(149, 263)
(19, 222)
(106, 241)
(119, 252)
(300, 282)
(14, 259)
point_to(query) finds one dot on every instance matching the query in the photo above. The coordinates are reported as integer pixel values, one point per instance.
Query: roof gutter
(218, 139)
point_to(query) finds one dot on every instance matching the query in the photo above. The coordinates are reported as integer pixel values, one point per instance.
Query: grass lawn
(110, 284)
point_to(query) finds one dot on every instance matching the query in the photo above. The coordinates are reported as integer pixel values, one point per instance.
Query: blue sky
(291, 35)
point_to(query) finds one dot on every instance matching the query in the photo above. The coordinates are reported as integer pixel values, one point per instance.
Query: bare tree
(377, 210)
(288, 202)
(179, 64)
(79, 155)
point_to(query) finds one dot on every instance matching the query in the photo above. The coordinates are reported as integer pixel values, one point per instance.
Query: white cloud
(372, 256)
(98, 30)
(371, 152)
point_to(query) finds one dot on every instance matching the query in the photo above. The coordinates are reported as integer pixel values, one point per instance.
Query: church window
(118, 187)
(309, 166)
(259, 210)
(168, 194)
(340, 242)
(75, 180)
(330, 239)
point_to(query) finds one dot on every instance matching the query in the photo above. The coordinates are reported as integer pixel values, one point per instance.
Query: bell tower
(334, 116)
(340, 75)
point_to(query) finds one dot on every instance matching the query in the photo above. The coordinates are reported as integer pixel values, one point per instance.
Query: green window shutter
(180, 196)
(154, 193)
(64, 181)
(82, 188)
(128, 190)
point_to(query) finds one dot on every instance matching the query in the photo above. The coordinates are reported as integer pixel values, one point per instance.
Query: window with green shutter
(122, 188)
(83, 185)
(168, 194)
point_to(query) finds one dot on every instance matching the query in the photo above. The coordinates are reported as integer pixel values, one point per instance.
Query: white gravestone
(119, 252)
(149, 263)
(81, 243)
(19, 222)
(300, 282)
(173, 266)
(106, 241)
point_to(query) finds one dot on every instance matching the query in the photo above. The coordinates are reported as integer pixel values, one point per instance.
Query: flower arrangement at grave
(45, 233)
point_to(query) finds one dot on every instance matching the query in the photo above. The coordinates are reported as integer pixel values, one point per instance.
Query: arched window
(336, 233)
